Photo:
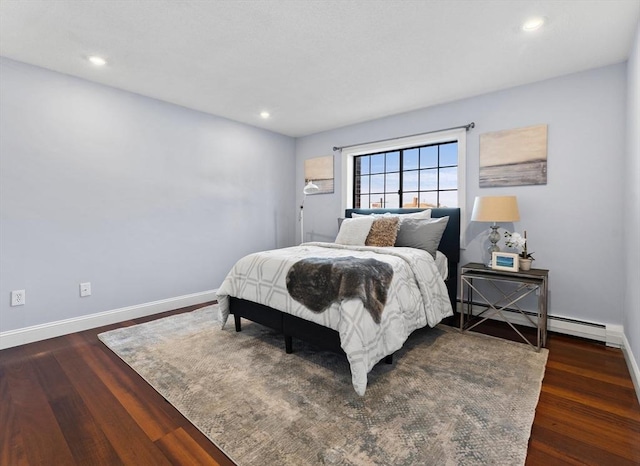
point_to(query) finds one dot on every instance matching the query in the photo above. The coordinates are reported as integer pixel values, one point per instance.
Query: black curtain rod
(466, 127)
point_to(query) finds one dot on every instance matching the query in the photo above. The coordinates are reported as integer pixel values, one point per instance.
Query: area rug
(447, 399)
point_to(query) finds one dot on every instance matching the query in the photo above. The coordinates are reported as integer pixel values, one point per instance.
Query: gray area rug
(448, 398)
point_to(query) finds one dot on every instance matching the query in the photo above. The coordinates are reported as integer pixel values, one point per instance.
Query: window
(429, 167)
(425, 176)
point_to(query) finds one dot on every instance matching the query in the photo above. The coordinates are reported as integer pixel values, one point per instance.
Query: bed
(261, 295)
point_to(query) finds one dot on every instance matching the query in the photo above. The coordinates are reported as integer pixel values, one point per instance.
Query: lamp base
(494, 237)
(302, 223)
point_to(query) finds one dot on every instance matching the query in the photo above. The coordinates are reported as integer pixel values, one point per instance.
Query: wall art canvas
(319, 170)
(514, 157)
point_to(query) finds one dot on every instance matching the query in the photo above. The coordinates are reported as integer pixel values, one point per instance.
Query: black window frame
(357, 173)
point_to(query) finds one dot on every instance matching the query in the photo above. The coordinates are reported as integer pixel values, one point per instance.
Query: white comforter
(417, 297)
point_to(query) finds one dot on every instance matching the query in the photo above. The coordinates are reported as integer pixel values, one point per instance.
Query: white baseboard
(615, 336)
(79, 324)
(611, 335)
(632, 364)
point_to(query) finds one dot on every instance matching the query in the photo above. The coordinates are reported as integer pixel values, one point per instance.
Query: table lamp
(495, 209)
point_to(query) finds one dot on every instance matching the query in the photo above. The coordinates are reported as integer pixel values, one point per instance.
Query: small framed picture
(504, 261)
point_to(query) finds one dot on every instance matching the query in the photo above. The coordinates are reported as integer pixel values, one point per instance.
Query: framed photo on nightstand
(504, 261)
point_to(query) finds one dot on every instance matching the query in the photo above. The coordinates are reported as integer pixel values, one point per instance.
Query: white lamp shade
(495, 209)
(310, 188)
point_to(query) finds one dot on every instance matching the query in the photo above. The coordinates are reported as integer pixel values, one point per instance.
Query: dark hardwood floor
(71, 401)
(588, 412)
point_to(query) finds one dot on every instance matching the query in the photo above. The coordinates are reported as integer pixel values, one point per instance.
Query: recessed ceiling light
(265, 114)
(533, 24)
(98, 61)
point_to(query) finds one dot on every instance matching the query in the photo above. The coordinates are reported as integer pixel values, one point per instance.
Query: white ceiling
(315, 65)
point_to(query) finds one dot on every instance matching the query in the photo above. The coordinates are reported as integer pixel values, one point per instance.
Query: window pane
(423, 200)
(429, 199)
(410, 200)
(364, 184)
(448, 198)
(429, 180)
(449, 178)
(364, 202)
(392, 200)
(377, 201)
(429, 157)
(377, 184)
(377, 163)
(393, 183)
(410, 181)
(410, 159)
(429, 177)
(364, 164)
(393, 161)
(449, 154)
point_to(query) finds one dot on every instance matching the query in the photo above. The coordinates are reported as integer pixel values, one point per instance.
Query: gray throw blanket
(319, 282)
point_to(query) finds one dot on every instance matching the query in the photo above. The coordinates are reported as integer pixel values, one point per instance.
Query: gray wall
(574, 223)
(148, 201)
(632, 205)
(144, 199)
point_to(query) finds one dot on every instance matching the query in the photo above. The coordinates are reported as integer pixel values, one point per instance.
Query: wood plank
(594, 402)
(549, 403)
(591, 373)
(150, 410)
(83, 434)
(542, 454)
(608, 437)
(606, 393)
(126, 437)
(206, 444)
(180, 448)
(158, 409)
(37, 425)
(138, 398)
(82, 405)
(572, 450)
(608, 361)
(12, 448)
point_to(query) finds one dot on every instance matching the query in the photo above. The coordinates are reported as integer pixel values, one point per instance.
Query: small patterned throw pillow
(383, 232)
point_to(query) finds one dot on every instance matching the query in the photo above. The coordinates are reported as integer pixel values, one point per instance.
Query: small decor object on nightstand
(515, 240)
(505, 261)
(525, 264)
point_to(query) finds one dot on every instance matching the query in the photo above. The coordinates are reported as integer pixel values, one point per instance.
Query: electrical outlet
(85, 289)
(18, 297)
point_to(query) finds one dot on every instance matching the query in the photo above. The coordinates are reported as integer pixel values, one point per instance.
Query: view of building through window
(425, 176)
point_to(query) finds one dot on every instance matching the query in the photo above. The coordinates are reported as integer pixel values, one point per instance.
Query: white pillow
(422, 215)
(354, 231)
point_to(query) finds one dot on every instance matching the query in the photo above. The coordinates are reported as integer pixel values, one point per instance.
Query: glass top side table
(526, 282)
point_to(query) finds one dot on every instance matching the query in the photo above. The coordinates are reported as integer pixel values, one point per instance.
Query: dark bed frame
(295, 327)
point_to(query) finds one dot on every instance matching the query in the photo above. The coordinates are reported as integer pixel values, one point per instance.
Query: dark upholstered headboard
(450, 243)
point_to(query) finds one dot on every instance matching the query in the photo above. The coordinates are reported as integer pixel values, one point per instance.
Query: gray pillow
(422, 233)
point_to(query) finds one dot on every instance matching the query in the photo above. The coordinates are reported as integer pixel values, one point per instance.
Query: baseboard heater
(558, 324)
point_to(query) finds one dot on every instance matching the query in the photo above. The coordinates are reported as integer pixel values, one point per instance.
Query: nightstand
(522, 283)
